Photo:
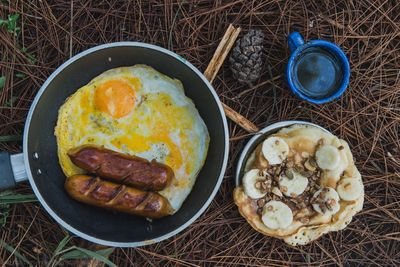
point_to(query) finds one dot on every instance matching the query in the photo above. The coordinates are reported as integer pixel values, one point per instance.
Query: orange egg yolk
(115, 97)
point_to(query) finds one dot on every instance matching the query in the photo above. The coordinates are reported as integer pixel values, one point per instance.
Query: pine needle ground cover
(37, 36)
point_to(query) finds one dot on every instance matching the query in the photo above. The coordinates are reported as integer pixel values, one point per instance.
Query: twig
(215, 64)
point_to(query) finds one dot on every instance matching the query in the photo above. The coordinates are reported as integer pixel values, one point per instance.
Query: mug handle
(12, 170)
(294, 41)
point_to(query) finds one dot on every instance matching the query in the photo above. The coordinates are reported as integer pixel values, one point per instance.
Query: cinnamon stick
(225, 45)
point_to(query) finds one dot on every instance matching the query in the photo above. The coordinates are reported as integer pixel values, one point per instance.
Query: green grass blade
(12, 23)
(62, 244)
(2, 81)
(12, 250)
(81, 253)
(9, 197)
(10, 102)
(105, 252)
(10, 138)
(4, 212)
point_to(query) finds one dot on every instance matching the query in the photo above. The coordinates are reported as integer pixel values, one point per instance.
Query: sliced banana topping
(327, 157)
(251, 181)
(349, 189)
(275, 150)
(326, 201)
(292, 183)
(277, 215)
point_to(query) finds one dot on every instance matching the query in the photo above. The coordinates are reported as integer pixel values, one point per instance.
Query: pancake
(312, 173)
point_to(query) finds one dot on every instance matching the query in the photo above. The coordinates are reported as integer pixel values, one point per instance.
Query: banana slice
(275, 150)
(327, 157)
(277, 215)
(327, 202)
(249, 183)
(292, 183)
(349, 189)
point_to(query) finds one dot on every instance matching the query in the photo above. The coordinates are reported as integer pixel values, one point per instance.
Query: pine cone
(246, 59)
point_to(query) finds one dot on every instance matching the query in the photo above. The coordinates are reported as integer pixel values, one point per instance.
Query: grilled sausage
(97, 192)
(121, 168)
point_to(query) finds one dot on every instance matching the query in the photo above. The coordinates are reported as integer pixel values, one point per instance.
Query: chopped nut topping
(276, 142)
(265, 173)
(305, 220)
(293, 206)
(313, 162)
(331, 201)
(341, 147)
(261, 202)
(289, 174)
(266, 186)
(271, 171)
(346, 186)
(321, 141)
(305, 154)
(276, 191)
(297, 159)
(310, 166)
(298, 168)
(307, 174)
(293, 195)
(290, 164)
(329, 207)
(283, 189)
(323, 207)
(303, 205)
(258, 185)
(270, 208)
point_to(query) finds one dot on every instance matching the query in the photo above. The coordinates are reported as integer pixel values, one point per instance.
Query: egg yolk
(115, 97)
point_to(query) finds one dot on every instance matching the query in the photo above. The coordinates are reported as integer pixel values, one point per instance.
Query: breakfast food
(299, 184)
(139, 112)
(97, 192)
(122, 168)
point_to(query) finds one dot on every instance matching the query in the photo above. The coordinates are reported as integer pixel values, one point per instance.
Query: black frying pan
(39, 161)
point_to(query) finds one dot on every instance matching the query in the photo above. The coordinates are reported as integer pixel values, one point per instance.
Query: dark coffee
(318, 72)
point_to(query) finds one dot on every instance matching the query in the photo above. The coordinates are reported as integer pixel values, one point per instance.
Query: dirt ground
(367, 116)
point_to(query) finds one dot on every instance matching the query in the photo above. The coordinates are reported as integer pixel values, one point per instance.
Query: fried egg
(138, 111)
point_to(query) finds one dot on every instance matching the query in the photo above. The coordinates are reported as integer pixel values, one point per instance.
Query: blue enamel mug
(317, 71)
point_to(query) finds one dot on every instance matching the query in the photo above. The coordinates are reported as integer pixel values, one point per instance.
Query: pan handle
(12, 170)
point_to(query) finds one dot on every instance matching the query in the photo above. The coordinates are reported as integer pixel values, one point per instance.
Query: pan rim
(86, 236)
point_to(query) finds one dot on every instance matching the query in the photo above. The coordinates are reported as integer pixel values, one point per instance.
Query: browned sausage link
(97, 192)
(129, 170)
